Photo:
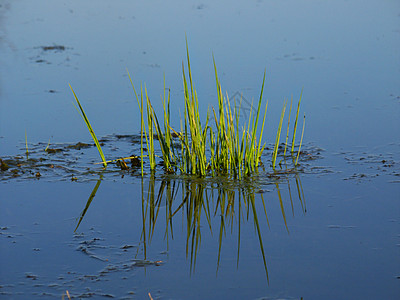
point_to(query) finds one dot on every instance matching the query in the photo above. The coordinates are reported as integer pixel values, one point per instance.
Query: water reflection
(96, 187)
(216, 205)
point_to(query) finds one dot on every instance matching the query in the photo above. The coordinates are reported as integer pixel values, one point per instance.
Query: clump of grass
(151, 117)
(83, 115)
(226, 148)
(194, 138)
(236, 151)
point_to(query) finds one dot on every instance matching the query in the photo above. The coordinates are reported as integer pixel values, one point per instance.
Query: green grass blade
(47, 147)
(142, 129)
(301, 140)
(295, 122)
(83, 115)
(260, 148)
(278, 135)
(287, 130)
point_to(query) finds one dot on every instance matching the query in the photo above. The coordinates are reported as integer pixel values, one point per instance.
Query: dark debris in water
(53, 48)
(31, 276)
(75, 162)
(5, 232)
(55, 150)
(3, 165)
(52, 54)
(79, 146)
(114, 262)
(63, 162)
(80, 162)
(369, 165)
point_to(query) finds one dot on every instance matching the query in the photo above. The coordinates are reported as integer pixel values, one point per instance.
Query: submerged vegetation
(202, 148)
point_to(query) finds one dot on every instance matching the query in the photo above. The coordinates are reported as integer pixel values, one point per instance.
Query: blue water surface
(338, 240)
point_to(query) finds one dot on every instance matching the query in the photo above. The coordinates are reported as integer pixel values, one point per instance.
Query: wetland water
(327, 230)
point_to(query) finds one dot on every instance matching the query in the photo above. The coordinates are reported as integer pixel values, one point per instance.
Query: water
(341, 236)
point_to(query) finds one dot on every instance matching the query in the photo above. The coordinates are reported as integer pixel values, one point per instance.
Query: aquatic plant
(234, 152)
(83, 115)
(278, 134)
(301, 140)
(226, 147)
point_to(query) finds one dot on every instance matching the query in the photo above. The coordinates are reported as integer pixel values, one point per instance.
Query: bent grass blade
(83, 115)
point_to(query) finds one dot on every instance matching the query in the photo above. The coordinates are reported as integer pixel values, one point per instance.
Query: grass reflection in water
(214, 204)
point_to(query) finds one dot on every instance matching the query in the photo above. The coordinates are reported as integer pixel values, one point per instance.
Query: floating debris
(51, 151)
(127, 246)
(53, 48)
(31, 276)
(3, 165)
(79, 146)
(122, 164)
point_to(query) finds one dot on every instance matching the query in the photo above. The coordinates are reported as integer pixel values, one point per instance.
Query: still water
(328, 230)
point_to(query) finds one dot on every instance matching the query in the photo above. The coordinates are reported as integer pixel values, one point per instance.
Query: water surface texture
(328, 229)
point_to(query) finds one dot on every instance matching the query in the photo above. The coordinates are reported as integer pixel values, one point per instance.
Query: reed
(83, 115)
